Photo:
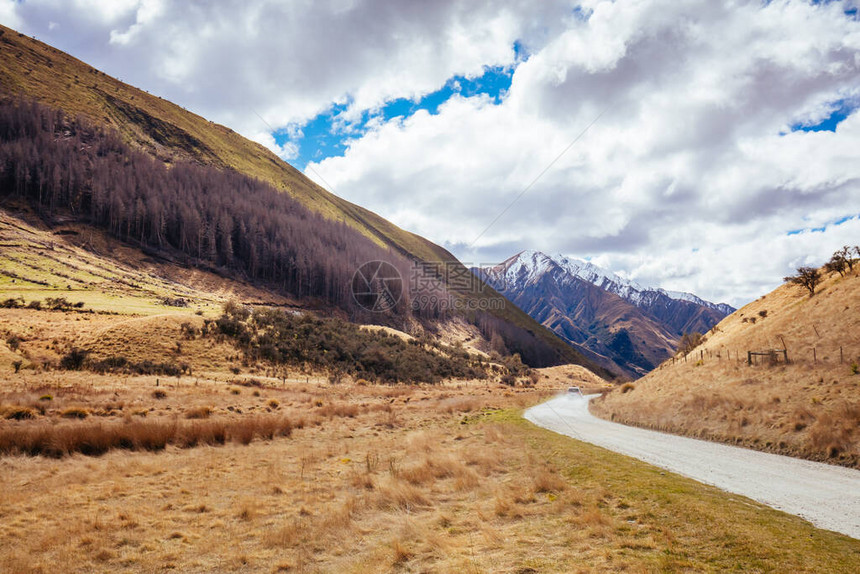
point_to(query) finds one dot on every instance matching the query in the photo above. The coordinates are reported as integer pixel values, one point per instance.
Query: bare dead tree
(806, 277)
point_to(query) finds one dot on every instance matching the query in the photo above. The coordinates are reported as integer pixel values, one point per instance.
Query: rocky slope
(620, 324)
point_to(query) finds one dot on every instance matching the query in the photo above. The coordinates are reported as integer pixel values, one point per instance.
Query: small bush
(58, 303)
(198, 413)
(627, 387)
(159, 394)
(547, 481)
(75, 413)
(73, 360)
(855, 368)
(12, 303)
(14, 341)
(18, 413)
(45, 398)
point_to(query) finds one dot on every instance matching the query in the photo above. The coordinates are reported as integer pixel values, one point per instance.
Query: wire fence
(770, 357)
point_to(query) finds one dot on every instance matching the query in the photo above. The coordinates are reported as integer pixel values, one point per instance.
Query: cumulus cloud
(286, 61)
(691, 179)
(8, 15)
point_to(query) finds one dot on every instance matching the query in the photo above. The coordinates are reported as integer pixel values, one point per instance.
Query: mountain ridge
(618, 322)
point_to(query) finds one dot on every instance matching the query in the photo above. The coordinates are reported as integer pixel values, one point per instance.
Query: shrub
(73, 360)
(35, 304)
(855, 368)
(343, 349)
(58, 303)
(690, 341)
(188, 330)
(18, 413)
(198, 413)
(627, 387)
(75, 413)
(806, 277)
(159, 394)
(546, 480)
(14, 341)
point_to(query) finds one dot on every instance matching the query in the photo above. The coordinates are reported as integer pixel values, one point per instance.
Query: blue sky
(841, 110)
(327, 135)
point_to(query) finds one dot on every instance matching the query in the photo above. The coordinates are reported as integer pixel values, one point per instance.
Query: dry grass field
(369, 479)
(236, 466)
(809, 407)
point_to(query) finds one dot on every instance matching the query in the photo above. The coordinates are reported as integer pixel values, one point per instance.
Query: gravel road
(827, 496)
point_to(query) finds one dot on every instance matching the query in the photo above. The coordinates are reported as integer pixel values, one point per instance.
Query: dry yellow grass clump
(809, 407)
(371, 479)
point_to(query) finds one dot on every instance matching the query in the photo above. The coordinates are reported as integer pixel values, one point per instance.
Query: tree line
(214, 217)
(842, 261)
(211, 217)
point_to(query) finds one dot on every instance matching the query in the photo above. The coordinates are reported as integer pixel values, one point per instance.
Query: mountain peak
(531, 264)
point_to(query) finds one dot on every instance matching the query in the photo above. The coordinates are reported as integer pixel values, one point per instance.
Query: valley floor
(372, 479)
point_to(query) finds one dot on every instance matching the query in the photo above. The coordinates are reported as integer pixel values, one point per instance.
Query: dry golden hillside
(809, 407)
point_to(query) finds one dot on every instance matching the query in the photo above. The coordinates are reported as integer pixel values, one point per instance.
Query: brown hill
(32, 69)
(808, 407)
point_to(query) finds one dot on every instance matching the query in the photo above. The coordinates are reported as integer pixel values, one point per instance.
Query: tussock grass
(203, 412)
(94, 439)
(470, 491)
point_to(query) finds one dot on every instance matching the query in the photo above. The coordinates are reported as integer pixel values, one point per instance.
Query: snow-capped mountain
(630, 327)
(632, 291)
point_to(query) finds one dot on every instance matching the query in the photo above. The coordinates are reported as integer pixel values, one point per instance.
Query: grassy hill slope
(169, 132)
(809, 407)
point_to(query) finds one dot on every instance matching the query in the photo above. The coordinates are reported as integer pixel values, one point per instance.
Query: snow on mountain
(525, 267)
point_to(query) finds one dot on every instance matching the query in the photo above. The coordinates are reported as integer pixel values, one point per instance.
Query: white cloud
(148, 12)
(8, 14)
(687, 156)
(287, 61)
(287, 152)
(685, 181)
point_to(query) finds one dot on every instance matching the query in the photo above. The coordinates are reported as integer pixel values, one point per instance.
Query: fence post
(814, 356)
(840, 354)
(749, 358)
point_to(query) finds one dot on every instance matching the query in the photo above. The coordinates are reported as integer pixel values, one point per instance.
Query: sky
(699, 145)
